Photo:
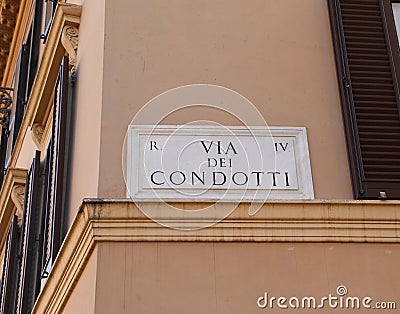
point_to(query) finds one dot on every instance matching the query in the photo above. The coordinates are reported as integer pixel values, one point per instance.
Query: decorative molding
(69, 39)
(8, 16)
(18, 34)
(100, 220)
(14, 178)
(6, 101)
(42, 89)
(47, 131)
(18, 197)
(41, 134)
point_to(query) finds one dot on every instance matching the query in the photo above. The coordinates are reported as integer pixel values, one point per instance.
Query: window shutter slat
(367, 59)
(8, 288)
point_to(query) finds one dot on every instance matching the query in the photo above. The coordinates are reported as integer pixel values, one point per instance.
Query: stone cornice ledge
(101, 220)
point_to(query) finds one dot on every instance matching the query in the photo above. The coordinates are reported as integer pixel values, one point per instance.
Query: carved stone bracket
(37, 133)
(18, 197)
(69, 39)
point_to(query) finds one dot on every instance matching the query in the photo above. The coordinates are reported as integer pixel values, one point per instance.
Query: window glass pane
(396, 13)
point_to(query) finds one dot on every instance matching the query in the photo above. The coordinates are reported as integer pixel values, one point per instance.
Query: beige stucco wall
(85, 141)
(277, 54)
(229, 277)
(82, 298)
(27, 152)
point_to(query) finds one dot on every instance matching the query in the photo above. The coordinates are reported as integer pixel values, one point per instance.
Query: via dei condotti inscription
(218, 163)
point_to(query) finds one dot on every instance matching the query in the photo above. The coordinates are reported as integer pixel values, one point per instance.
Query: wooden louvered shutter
(21, 91)
(367, 59)
(59, 153)
(28, 282)
(28, 67)
(54, 190)
(10, 267)
(36, 29)
(46, 229)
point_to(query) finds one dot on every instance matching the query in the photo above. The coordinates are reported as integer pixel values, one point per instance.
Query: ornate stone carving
(69, 39)
(18, 197)
(38, 129)
(5, 105)
(37, 133)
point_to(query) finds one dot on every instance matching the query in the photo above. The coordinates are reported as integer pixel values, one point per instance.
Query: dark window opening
(49, 11)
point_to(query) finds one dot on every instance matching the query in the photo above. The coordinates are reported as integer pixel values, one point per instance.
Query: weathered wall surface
(85, 141)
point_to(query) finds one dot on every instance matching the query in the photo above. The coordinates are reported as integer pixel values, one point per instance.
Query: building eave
(8, 18)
